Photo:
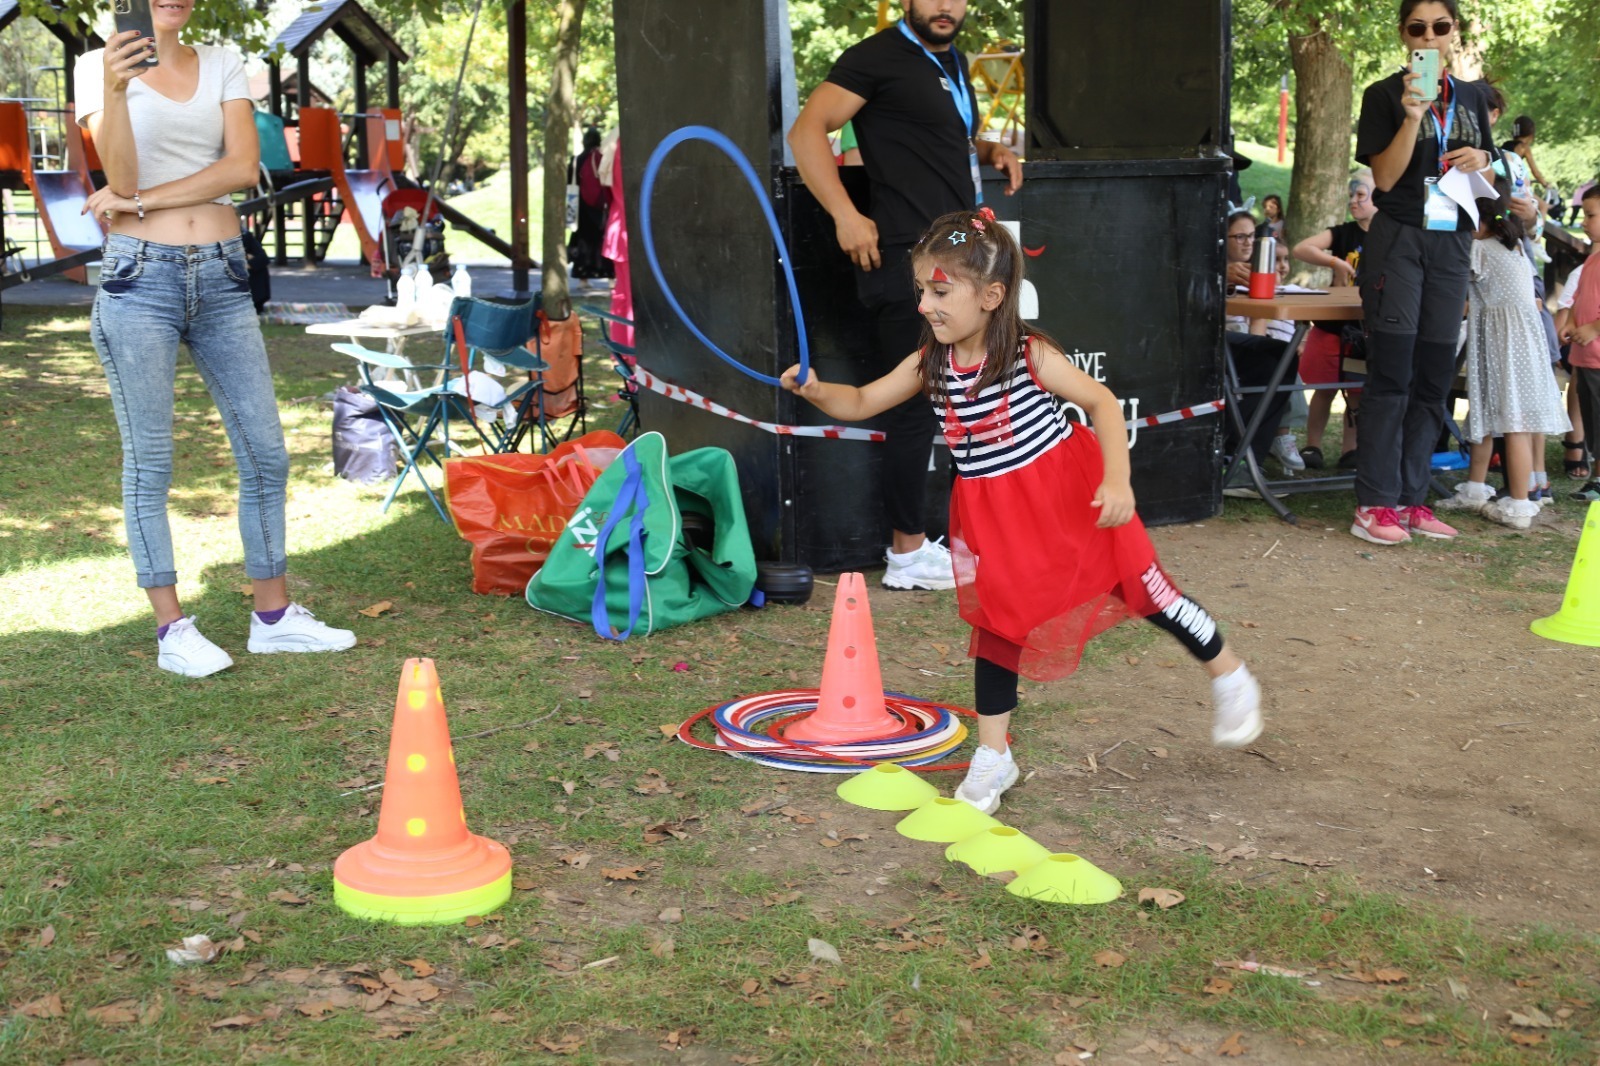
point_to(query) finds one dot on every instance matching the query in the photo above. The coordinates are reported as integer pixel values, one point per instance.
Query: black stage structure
(1123, 200)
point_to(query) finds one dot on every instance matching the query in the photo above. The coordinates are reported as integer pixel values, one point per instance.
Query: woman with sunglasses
(1415, 265)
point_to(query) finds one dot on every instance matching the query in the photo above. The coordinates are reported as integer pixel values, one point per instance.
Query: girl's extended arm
(851, 403)
(1114, 497)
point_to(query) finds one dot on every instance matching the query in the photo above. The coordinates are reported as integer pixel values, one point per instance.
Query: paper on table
(1300, 290)
(1464, 188)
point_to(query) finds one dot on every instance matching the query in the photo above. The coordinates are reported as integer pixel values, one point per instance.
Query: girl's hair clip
(977, 224)
(986, 213)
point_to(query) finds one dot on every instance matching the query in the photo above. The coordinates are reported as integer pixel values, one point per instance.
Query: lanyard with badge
(1441, 212)
(963, 101)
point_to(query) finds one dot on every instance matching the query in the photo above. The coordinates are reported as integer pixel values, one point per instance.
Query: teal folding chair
(419, 417)
(623, 359)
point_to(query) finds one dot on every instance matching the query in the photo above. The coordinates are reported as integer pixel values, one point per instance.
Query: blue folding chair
(419, 418)
(622, 361)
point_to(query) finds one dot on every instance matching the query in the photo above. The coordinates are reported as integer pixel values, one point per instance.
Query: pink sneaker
(1381, 525)
(1420, 520)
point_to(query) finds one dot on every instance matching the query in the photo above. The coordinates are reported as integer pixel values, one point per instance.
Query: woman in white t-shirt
(176, 140)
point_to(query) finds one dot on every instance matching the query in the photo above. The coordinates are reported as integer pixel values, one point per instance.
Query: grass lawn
(652, 911)
(1265, 174)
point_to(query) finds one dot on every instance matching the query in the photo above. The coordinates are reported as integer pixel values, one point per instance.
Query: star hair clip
(958, 237)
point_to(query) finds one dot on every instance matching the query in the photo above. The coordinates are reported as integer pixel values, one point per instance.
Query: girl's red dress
(1035, 577)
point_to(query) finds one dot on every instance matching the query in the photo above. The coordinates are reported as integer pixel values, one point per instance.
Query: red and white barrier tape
(1180, 415)
(694, 399)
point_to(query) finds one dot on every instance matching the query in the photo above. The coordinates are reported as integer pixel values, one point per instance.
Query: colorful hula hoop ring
(652, 168)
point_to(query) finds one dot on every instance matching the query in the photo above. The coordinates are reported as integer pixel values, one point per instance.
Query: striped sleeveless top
(1003, 428)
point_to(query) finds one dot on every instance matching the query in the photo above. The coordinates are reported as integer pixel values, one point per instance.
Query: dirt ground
(1419, 736)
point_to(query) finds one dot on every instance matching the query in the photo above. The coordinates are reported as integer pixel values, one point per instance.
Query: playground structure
(43, 153)
(321, 181)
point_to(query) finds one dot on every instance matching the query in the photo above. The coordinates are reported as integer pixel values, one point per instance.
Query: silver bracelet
(138, 205)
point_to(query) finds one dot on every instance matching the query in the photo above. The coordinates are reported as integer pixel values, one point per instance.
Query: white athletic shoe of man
(989, 775)
(929, 567)
(297, 630)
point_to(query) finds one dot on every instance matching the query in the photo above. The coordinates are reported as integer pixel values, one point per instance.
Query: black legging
(996, 687)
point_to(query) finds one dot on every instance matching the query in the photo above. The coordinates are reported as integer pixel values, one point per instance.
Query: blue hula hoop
(647, 193)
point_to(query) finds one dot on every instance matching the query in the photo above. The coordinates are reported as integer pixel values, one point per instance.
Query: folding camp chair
(419, 417)
(554, 393)
(623, 361)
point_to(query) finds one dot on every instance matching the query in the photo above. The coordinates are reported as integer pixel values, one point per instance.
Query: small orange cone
(423, 867)
(850, 707)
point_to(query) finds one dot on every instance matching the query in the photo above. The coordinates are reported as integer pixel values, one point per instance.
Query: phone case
(1425, 65)
(135, 15)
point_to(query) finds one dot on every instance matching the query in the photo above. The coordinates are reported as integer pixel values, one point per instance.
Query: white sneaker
(929, 567)
(1237, 698)
(990, 774)
(1515, 514)
(297, 630)
(1470, 496)
(1288, 453)
(186, 651)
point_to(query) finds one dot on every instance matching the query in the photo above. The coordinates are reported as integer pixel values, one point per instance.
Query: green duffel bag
(624, 563)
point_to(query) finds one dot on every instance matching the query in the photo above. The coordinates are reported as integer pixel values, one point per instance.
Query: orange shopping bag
(512, 507)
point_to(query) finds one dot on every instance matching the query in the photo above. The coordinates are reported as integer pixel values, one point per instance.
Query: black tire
(784, 582)
(698, 530)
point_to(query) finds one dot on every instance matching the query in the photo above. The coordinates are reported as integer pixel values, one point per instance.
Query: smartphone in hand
(1424, 64)
(135, 15)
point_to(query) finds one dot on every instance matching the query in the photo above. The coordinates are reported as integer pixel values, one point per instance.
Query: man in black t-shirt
(915, 114)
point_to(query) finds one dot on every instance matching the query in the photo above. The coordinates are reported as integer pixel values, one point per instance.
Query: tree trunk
(1319, 188)
(559, 117)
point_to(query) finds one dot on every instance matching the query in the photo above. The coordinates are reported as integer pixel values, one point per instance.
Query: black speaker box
(1146, 82)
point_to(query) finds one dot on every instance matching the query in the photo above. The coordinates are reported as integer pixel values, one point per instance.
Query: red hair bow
(986, 213)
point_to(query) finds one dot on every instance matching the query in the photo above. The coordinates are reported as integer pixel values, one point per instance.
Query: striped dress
(1035, 578)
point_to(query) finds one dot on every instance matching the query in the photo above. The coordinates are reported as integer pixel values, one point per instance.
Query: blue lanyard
(958, 92)
(1443, 131)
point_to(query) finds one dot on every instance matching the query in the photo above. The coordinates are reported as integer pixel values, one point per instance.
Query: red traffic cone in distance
(850, 707)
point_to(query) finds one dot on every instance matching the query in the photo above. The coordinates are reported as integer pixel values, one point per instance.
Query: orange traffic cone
(850, 707)
(423, 867)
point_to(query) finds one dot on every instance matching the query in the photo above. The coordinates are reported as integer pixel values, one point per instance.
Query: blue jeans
(153, 297)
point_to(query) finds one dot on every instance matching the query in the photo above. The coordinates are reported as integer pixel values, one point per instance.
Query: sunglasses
(1441, 28)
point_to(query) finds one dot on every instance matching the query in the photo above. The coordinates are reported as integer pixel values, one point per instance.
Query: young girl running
(1048, 550)
(1509, 385)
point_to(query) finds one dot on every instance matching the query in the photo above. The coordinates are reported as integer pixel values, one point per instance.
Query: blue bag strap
(633, 499)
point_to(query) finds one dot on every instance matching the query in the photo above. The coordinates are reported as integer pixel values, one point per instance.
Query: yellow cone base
(887, 787)
(998, 850)
(1568, 630)
(1066, 879)
(424, 910)
(944, 821)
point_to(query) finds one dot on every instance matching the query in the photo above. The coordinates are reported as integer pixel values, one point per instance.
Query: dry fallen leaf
(47, 936)
(419, 967)
(621, 873)
(578, 861)
(1109, 959)
(1165, 898)
(1526, 1039)
(44, 1007)
(664, 948)
(1532, 1018)
(672, 915)
(376, 609)
(823, 951)
(1233, 1046)
(982, 962)
(316, 1008)
(1393, 1042)
(567, 1045)
(1218, 986)
(237, 1021)
(283, 895)
(121, 1012)
(1389, 976)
